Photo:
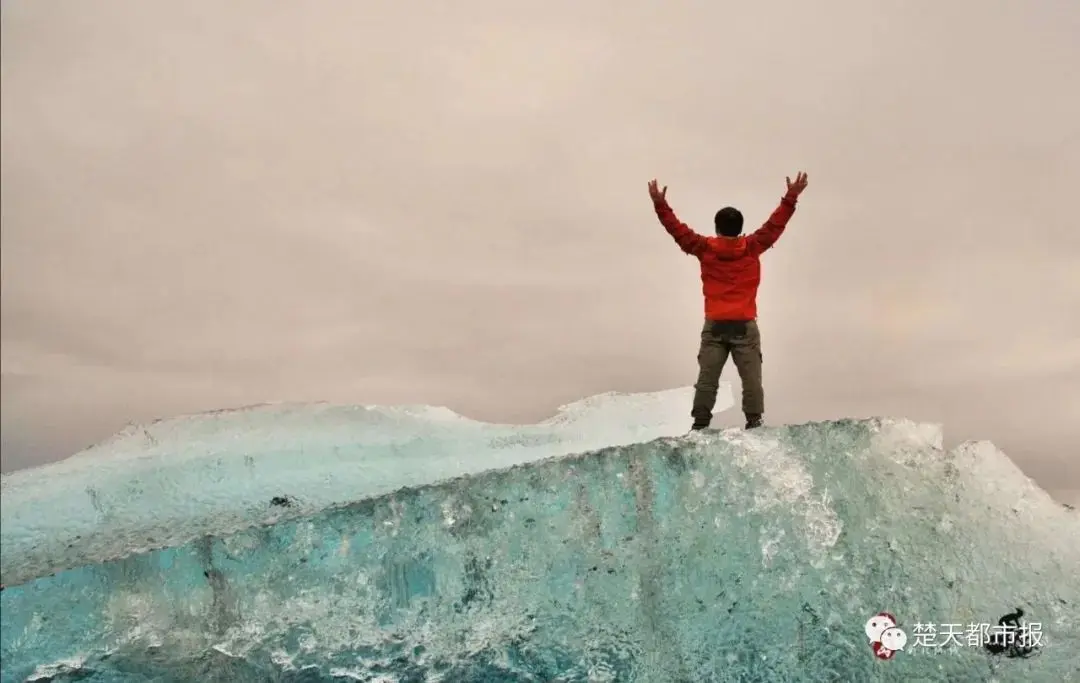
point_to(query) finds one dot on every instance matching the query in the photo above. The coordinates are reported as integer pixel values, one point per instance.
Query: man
(730, 275)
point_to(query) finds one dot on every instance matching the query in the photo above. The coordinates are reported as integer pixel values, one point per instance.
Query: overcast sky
(209, 204)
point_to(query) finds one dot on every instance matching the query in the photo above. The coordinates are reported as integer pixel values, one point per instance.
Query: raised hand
(795, 188)
(657, 194)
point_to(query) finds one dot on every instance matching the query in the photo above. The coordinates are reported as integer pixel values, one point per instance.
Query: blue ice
(316, 543)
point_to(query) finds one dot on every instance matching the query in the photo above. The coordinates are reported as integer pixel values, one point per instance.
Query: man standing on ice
(730, 275)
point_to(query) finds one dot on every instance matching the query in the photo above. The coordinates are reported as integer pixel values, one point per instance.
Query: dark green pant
(742, 342)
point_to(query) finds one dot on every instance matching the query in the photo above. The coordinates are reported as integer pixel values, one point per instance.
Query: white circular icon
(877, 625)
(894, 638)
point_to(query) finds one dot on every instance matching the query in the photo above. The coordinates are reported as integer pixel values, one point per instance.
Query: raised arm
(688, 240)
(765, 236)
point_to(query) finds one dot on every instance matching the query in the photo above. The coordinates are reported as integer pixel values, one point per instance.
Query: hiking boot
(753, 421)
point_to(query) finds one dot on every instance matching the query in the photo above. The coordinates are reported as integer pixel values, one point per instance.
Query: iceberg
(323, 543)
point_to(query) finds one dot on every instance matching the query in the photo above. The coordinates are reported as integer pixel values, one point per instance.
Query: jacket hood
(728, 248)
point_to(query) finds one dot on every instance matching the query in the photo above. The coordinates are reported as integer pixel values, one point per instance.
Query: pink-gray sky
(208, 204)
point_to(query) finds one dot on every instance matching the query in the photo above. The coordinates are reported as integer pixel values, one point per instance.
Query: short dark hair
(728, 222)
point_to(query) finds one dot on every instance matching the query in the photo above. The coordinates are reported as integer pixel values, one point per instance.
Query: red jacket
(730, 266)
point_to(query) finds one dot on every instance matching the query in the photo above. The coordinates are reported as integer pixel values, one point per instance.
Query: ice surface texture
(718, 556)
(166, 483)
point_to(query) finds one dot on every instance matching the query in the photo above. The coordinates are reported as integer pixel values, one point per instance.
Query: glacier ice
(287, 544)
(173, 480)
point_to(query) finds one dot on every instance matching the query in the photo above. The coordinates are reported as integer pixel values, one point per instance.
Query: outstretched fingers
(655, 192)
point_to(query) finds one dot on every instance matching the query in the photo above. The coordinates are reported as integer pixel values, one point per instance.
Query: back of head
(729, 222)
